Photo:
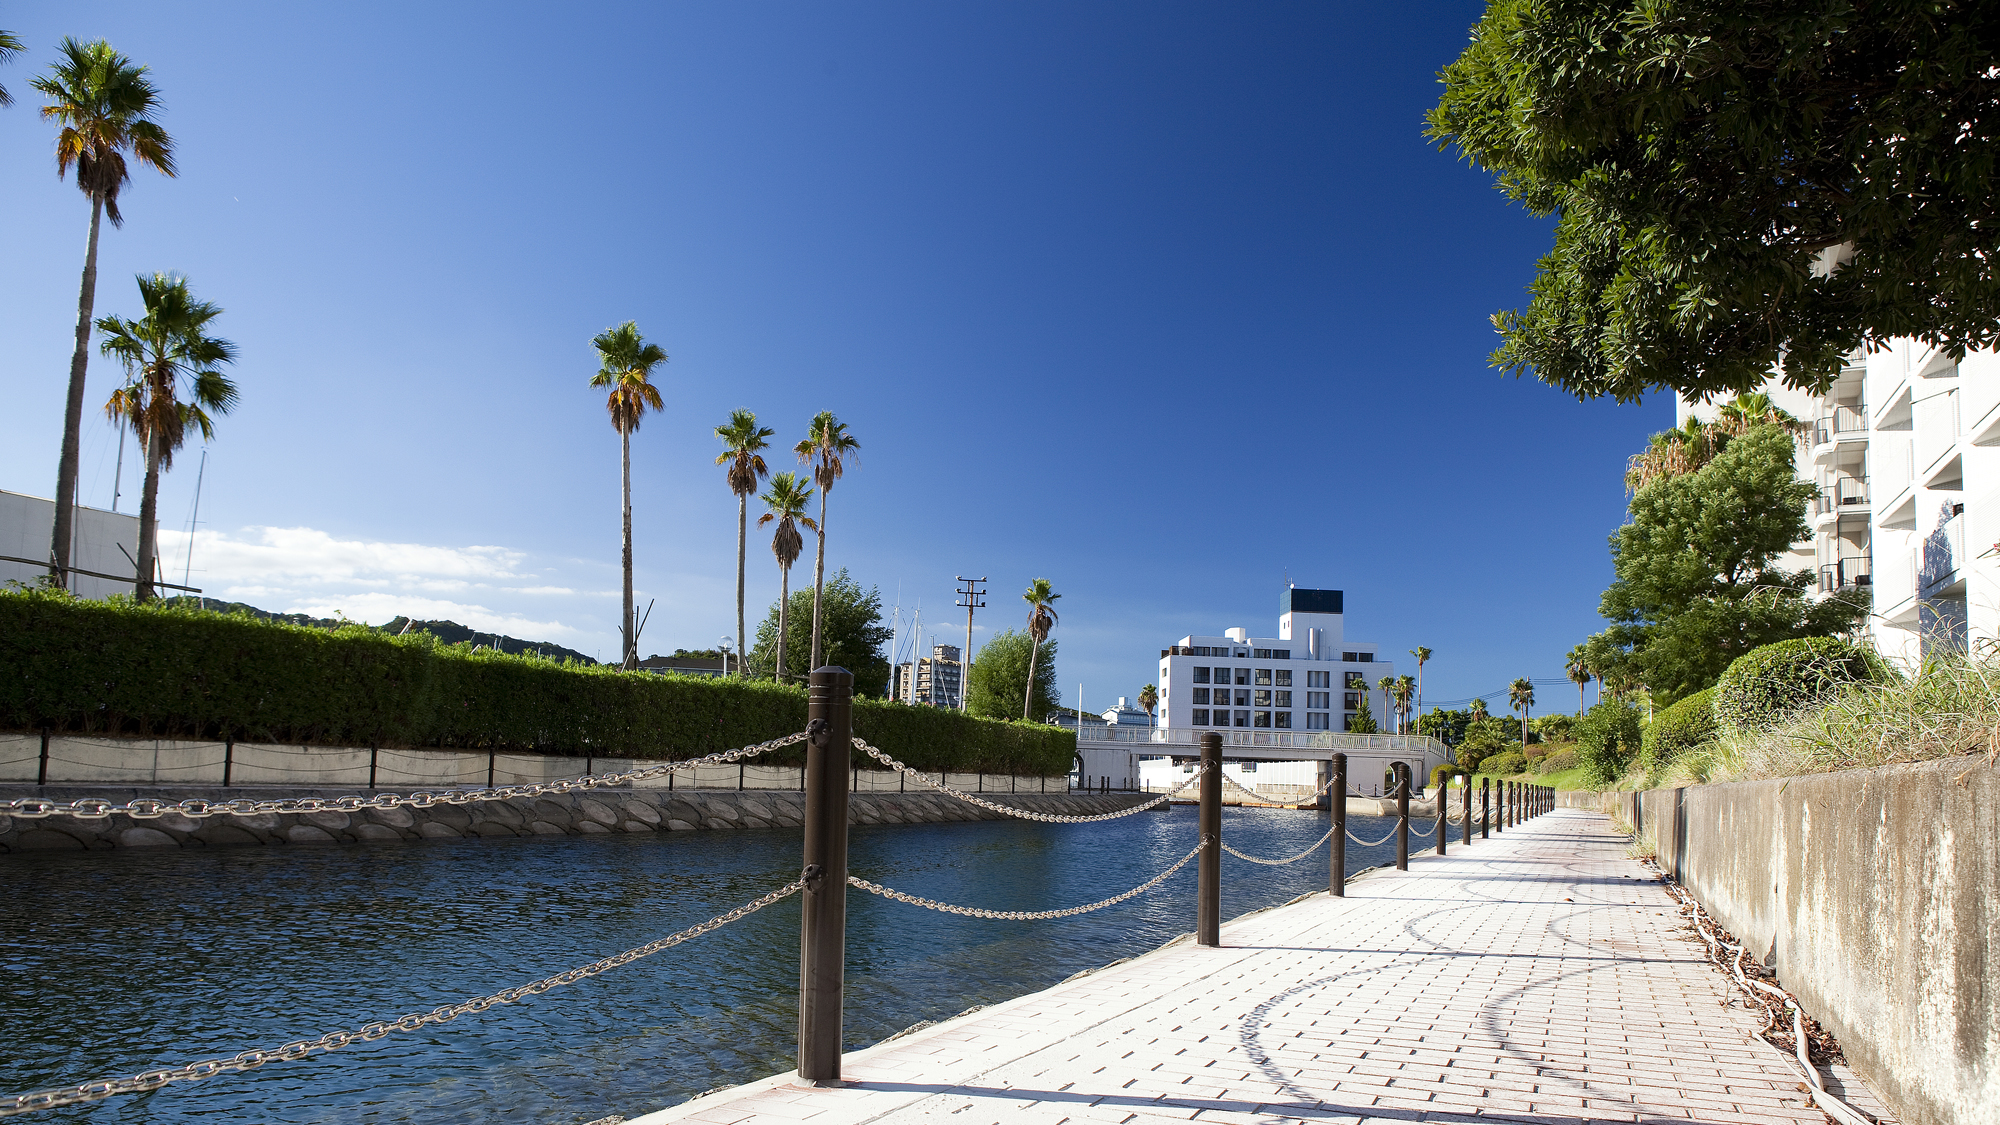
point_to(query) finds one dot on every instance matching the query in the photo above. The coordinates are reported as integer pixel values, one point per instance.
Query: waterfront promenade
(1536, 976)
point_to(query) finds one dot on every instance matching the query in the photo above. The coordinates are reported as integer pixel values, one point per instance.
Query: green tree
(850, 628)
(174, 380)
(1000, 675)
(627, 369)
(1406, 695)
(104, 105)
(1579, 673)
(10, 45)
(1041, 599)
(1478, 709)
(743, 445)
(1711, 163)
(1149, 698)
(1447, 726)
(1423, 656)
(1695, 585)
(785, 502)
(1363, 719)
(1521, 696)
(827, 447)
(1608, 737)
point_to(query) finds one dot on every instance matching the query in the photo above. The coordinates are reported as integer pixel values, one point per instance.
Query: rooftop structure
(1309, 677)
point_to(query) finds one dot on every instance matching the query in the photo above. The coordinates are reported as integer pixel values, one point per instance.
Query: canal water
(115, 963)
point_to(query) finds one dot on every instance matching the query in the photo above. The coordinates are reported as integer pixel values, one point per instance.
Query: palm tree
(1041, 599)
(1579, 674)
(1521, 694)
(1406, 689)
(1149, 698)
(104, 104)
(627, 368)
(786, 500)
(165, 351)
(10, 45)
(743, 442)
(1478, 709)
(827, 448)
(1422, 654)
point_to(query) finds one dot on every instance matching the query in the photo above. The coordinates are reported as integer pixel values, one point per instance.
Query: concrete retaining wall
(600, 811)
(1875, 894)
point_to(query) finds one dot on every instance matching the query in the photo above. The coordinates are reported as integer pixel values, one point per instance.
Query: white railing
(1280, 739)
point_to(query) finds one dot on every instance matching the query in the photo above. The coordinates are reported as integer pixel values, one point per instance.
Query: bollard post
(823, 913)
(1465, 807)
(1402, 816)
(1208, 900)
(1497, 813)
(1337, 863)
(1443, 788)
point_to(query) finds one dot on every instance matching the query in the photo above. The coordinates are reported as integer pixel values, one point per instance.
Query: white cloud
(306, 555)
(376, 608)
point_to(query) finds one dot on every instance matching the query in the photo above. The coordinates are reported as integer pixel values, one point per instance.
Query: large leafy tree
(828, 448)
(851, 628)
(1738, 184)
(785, 503)
(175, 381)
(103, 105)
(999, 677)
(743, 445)
(1696, 586)
(625, 370)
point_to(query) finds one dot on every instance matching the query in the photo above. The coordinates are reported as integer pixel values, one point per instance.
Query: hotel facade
(1306, 678)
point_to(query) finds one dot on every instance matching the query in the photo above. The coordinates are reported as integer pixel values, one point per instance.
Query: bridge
(1111, 756)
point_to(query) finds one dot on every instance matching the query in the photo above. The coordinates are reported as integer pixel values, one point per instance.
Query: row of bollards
(823, 910)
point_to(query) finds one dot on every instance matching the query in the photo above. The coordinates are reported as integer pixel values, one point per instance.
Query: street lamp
(726, 642)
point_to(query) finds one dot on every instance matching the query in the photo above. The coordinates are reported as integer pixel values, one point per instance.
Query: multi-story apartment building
(1905, 450)
(934, 681)
(1306, 678)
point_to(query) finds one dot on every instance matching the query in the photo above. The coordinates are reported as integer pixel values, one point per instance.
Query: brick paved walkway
(1536, 976)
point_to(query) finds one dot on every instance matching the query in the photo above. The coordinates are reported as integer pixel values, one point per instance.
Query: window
(1243, 697)
(1317, 679)
(1261, 698)
(1350, 657)
(1243, 675)
(1284, 699)
(1242, 718)
(1284, 677)
(1364, 657)
(1350, 700)
(1347, 723)
(1261, 653)
(1200, 676)
(1201, 697)
(1249, 767)
(1221, 717)
(1200, 716)
(1222, 675)
(1263, 719)
(1283, 720)
(1263, 677)
(1316, 720)
(1281, 654)
(1318, 699)
(1356, 680)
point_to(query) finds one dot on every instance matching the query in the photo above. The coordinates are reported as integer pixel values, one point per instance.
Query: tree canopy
(998, 680)
(1709, 161)
(851, 630)
(1695, 585)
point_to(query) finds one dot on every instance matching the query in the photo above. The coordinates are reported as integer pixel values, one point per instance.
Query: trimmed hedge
(1769, 684)
(1505, 764)
(1687, 725)
(116, 668)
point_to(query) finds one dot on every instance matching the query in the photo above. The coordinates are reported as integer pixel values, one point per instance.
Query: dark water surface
(114, 963)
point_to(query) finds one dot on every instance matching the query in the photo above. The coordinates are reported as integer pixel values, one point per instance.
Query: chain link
(1027, 915)
(334, 1041)
(1281, 862)
(1051, 818)
(149, 808)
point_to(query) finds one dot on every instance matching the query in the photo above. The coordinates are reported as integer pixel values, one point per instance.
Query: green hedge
(1769, 684)
(1687, 725)
(90, 667)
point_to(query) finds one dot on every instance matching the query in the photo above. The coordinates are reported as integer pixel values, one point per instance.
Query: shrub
(1768, 685)
(1607, 739)
(1559, 761)
(176, 671)
(1554, 728)
(1443, 772)
(1504, 764)
(1685, 726)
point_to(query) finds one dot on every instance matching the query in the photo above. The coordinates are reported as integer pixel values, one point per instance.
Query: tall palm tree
(1406, 690)
(627, 369)
(1149, 698)
(743, 442)
(1041, 599)
(1422, 654)
(1388, 686)
(104, 104)
(1478, 709)
(10, 45)
(827, 448)
(786, 503)
(1579, 674)
(166, 352)
(1521, 695)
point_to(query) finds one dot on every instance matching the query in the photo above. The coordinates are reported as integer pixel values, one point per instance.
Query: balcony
(1937, 430)
(1942, 557)
(1846, 574)
(1842, 496)
(1842, 423)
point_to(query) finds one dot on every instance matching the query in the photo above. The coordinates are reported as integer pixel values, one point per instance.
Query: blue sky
(1167, 303)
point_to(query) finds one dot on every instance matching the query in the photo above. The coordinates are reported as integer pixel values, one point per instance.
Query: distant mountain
(450, 632)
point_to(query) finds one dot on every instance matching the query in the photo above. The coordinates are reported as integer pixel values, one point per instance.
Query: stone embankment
(598, 812)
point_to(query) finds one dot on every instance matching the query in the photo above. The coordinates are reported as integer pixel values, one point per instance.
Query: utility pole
(970, 597)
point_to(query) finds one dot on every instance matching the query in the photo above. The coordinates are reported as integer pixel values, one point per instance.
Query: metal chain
(334, 1041)
(148, 808)
(1052, 818)
(1281, 862)
(1027, 915)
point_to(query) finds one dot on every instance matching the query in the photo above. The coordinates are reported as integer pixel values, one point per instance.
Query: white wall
(26, 522)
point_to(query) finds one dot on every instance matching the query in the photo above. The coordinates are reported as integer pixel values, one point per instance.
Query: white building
(1126, 715)
(1308, 677)
(106, 544)
(934, 681)
(1905, 450)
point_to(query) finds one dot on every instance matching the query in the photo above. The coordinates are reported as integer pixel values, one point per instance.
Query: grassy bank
(115, 668)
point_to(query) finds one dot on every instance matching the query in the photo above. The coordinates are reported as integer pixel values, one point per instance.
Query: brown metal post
(1402, 816)
(1443, 788)
(1337, 874)
(1496, 808)
(1208, 900)
(1465, 806)
(823, 914)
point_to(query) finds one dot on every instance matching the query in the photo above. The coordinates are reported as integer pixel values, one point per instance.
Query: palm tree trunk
(79, 363)
(1028, 696)
(149, 508)
(742, 540)
(819, 575)
(784, 602)
(631, 661)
